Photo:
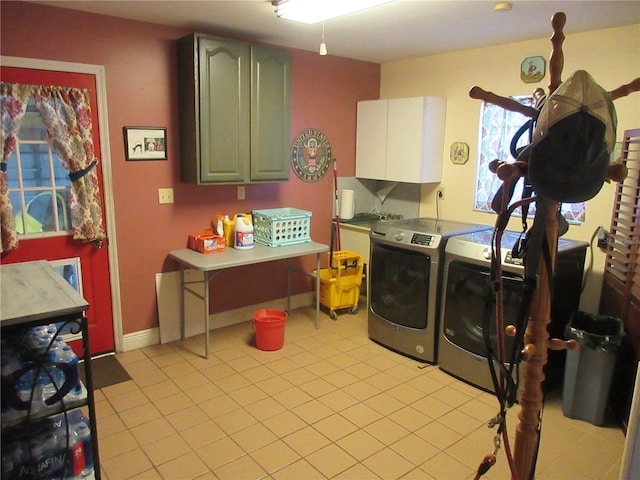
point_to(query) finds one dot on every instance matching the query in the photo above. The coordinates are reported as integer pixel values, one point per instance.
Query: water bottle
(29, 391)
(70, 359)
(43, 385)
(75, 456)
(53, 378)
(13, 457)
(84, 435)
(36, 458)
(39, 338)
(10, 364)
(51, 462)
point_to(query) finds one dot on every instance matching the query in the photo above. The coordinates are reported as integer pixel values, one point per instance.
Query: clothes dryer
(466, 286)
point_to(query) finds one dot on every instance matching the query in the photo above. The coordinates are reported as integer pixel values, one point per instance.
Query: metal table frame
(213, 263)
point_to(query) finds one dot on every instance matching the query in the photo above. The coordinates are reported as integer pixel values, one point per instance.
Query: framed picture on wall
(532, 69)
(145, 143)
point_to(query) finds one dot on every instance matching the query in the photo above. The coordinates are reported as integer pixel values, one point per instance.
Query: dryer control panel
(423, 239)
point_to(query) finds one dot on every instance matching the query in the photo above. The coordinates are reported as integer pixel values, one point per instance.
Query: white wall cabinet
(401, 139)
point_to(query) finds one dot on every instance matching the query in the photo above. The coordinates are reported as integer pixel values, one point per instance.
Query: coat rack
(536, 338)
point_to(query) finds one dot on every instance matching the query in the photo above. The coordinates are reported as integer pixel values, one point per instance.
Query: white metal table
(211, 264)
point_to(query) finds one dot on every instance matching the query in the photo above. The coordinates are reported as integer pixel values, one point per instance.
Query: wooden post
(531, 396)
(536, 339)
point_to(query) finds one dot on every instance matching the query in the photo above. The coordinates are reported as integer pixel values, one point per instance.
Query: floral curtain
(13, 105)
(66, 114)
(503, 124)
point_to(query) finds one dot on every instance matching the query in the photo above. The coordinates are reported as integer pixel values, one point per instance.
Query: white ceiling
(396, 31)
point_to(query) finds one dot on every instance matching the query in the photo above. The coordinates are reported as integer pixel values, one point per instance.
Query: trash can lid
(594, 331)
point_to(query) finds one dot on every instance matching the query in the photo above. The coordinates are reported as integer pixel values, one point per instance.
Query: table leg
(317, 290)
(288, 285)
(182, 305)
(206, 314)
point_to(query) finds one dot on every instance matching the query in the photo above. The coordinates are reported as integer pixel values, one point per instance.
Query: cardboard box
(206, 242)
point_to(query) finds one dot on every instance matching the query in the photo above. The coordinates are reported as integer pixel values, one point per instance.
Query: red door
(94, 262)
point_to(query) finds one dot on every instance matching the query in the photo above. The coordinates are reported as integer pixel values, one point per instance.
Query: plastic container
(282, 226)
(589, 370)
(227, 227)
(243, 236)
(269, 327)
(218, 224)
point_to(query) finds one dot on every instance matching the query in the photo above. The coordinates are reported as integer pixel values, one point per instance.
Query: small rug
(106, 371)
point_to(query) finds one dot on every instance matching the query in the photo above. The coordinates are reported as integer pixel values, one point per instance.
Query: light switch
(241, 192)
(165, 195)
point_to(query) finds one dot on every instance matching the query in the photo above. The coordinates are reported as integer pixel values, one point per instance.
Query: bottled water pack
(39, 370)
(57, 447)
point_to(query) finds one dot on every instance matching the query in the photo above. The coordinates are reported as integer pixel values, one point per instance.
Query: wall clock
(311, 155)
(459, 153)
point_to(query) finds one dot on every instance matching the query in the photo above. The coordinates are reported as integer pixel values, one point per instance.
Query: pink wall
(140, 66)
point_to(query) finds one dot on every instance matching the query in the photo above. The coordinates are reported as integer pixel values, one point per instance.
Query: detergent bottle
(243, 233)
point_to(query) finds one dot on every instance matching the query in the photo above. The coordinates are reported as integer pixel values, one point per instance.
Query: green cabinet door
(234, 111)
(224, 110)
(270, 113)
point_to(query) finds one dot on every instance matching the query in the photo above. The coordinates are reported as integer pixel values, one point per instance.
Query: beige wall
(612, 56)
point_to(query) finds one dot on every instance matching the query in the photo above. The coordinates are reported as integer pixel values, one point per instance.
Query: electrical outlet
(603, 238)
(165, 195)
(440, 193)
(241, 192)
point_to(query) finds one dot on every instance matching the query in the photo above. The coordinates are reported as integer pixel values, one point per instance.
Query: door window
(38, 182)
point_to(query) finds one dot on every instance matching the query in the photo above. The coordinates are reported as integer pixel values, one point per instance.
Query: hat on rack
(573, 141)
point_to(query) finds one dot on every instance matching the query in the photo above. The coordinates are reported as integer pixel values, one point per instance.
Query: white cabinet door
(415, 135)
(401, 139)
(371, 139)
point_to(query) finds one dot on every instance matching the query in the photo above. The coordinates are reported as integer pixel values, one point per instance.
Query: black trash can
(589, 370)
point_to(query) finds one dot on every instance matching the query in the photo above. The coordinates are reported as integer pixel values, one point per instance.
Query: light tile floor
(330, 404)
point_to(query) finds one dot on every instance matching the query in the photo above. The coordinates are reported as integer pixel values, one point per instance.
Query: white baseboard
(142, 338)
(151, 336)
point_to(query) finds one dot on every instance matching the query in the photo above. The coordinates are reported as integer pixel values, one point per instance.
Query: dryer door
(468, 290)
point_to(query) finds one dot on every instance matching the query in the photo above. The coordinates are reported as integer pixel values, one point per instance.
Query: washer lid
(510, 237)
(431, 226)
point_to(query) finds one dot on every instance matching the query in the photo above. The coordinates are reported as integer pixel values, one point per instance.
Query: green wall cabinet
(235, 100)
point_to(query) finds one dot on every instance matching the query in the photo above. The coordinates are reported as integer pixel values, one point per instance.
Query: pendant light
(323, 46)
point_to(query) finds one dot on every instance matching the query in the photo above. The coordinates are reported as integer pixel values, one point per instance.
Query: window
(497, 128)
(38, 182)
(71, 270)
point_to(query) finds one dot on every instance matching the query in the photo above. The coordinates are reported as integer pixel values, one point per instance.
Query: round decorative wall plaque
(311, 155)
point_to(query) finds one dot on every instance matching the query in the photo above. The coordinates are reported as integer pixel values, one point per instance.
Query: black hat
(573, 141)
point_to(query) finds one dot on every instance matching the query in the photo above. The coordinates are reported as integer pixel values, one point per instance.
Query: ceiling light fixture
(503, 6)
(323, 46)
(314, 11)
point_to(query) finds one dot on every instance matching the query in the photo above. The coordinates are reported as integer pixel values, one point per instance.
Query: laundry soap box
(206, 242)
